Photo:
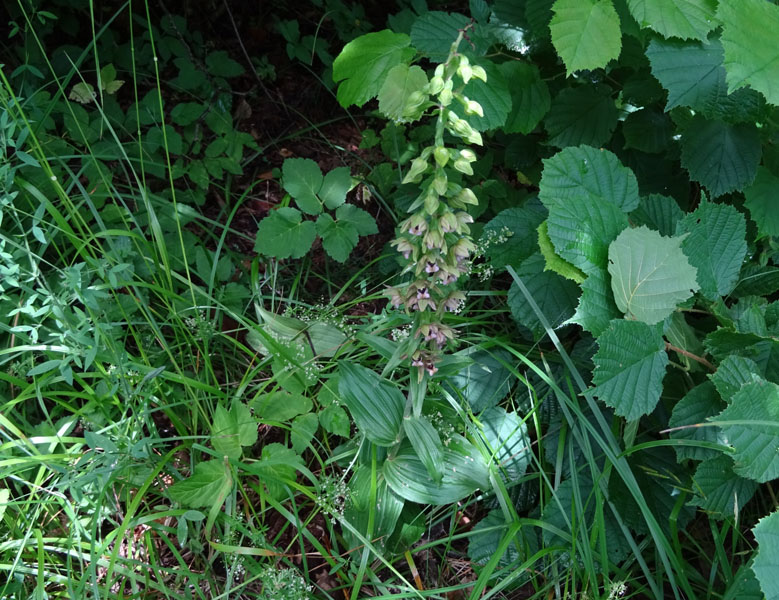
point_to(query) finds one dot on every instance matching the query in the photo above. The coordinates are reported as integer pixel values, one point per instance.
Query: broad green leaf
(303, 179)
(276, 469)
(716, 246)
(325, 338)
(658, 212)
(82, 92)
(363, 64)
(582, 115)
(435, 31)
(338, 237)
(482, 546)
(581, 229)
(719, 490)
(650, 275)
(376, 404)
(335, 420)
(204, 486)
(553, 261)
(676, 18)
(648, 130)
(225, 434)
(585, 170)
(763, 202)
(700, 403)
(732, 373)
(585, 33)
(486, 381)
(515, 226)
(280, 406)
(302, 432)
(596, 307)
(362, 221)
(464, 472)
(753, 430)
(360, 513)
(757, 281)
(554, 295)
(749, 37)
(766, 563)
(493, 95)
(427, 444)
(283, 234)
(721, 157)
(764, 351)
(4, 496)
(506, 437)
(220, 64)
(530, 99)
(335, 186)
(186, 113)
(629, 368)
(401, 82)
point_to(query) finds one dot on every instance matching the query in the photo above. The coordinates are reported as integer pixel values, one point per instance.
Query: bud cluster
(435, 240)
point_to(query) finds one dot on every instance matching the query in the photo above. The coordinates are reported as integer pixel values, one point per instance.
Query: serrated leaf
(658, 212)
(376, 405)
(335, 186)
(694, 409)
(220, 64)
(764, 351)
(530, 99)
(280, 406)
(763, 202)
(464, 471)
(400, 83)
(719, 490)
(650, 275)
(553, 261)
(506, 437)
(721, 157)
(283, 234)
(629, 368)
(585, 170)
(676, 18)
(648, 130)
(493, 96)
(516, 225)
(749, 37)
(732, 373)
(435, 31)
(204, 486)
(82, 92)
(225, 434)
(716, 246)
(766, 563)
(338, 237)
(302, 432)
(485, 382)
(582, 228)
(427, 444)
(554, 295)
(582, 115)
(335, 420)
(585, 33)
(363, 64)
(596, 307)
(757, 281)
(754, 430)
(363, 222)
(303, 179)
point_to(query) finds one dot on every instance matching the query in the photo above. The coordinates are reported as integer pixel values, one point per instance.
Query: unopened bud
(479, 73)
(463, 166)
(418, 166)
(436, 85)
(473, 108)
(440, 182)
(441, 156)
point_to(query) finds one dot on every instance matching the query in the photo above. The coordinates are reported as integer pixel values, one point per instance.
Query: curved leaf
(766, 564)
(585, 33)
(283, 234)
(676, 18)
(376, 405)
(582, 115)
(400, 83)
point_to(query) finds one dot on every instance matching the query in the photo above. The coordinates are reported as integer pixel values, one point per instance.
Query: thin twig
(695, 357)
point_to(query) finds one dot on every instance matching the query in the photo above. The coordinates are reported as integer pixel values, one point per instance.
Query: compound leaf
(676, 18)
(650, 275)
(335, 186)
(338, 237)
(585, 33)
(303, 179)
(629, 368)
(283, 234)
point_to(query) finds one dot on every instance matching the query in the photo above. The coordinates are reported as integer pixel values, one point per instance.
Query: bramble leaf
(585, 33)
(283, 234)
(335, 186)
(204, 486)
(338, 237)
(650, 275)
(629, 368)
(401, 82)
(676, 18)
(303, 179)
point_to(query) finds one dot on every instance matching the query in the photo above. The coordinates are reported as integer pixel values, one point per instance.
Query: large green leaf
(585, 170)
(376, 404)
(721, 157)
(751, 425)
(766, 564)
(676, 18)
(464, 471)
(435, 31)
(581, 229)
(716, 246)
(648, 130)
(506, 437)
(303, 179)
(658, 212)
(205, 486)
(596, 305)
(280, 406)
(629, 368)
(585, 33)
(553, 261)
(335, 186)
(359, 512)
(732, 373)
(763, 202)
(582, 115)
(719, 490)
(362, 220)
(516, 227)
(283, 234)
(751, 53)
(650, 275)
(530, 99)
(364, 63)
(493, 95)
(426, 443)
(484, 382)
(401, 82)
(764, 351)
(700, 403)
(338, 237)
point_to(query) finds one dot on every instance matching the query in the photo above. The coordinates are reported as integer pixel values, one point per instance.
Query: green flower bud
(439, 71)
(436, 85)
(479, 73)
(464, 70)
(418, 167)
(468, 154)
(441, 156)
(445, 97)
(466, 196)
(447, 222)
(431, 202)
(473, 108)
(439, 182)
(463, 166)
